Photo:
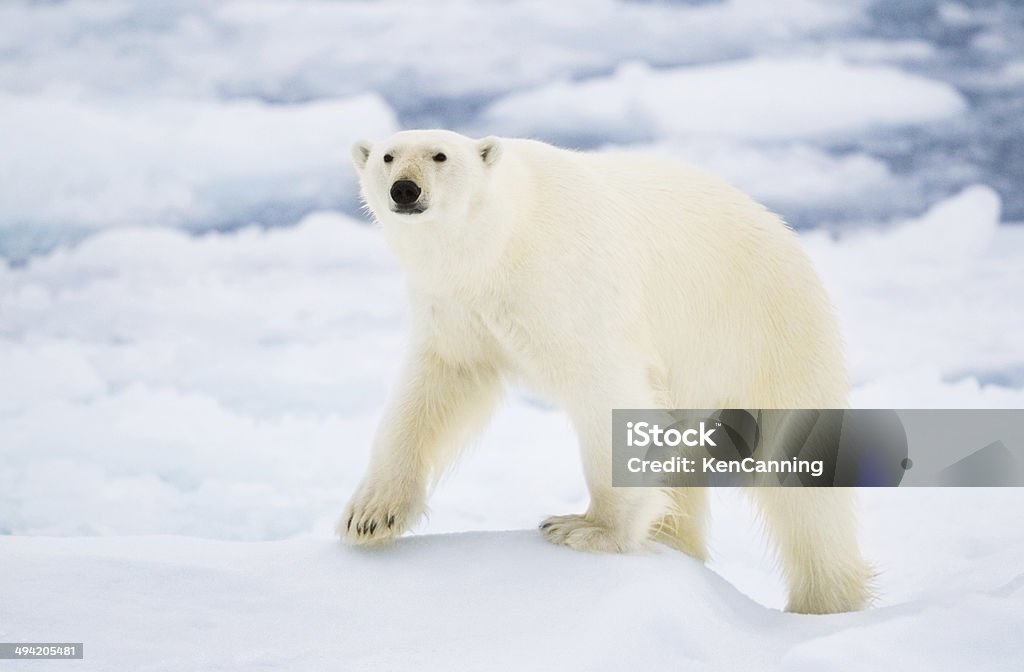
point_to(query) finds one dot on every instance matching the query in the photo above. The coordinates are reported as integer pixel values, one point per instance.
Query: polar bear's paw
(582, 534)
(379, 514)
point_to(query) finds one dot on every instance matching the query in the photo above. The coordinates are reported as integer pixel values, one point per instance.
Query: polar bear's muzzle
(405, 196)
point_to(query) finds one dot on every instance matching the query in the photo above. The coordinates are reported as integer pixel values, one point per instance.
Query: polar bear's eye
(439, 157)
(388, 158)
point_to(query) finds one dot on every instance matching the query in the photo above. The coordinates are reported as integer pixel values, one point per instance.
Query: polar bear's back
(725, 291)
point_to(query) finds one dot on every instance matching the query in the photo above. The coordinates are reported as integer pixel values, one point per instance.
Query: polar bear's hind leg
(815, 536)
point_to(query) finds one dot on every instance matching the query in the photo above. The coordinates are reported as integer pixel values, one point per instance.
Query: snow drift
(494, 601)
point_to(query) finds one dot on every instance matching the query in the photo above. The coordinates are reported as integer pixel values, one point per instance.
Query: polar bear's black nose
(405, 192)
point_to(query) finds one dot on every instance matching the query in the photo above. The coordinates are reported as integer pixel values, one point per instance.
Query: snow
(83, 164)
(162, 383)
(944, 281)
(496, 600)
(288, 51)
(198, 329)
(217, 373)
(790, 175)
(761, 98)
(163, 102)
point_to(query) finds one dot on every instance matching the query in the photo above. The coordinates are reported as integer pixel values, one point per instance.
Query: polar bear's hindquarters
(769, 340)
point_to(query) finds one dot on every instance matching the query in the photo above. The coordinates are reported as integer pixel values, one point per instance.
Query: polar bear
(599, 281)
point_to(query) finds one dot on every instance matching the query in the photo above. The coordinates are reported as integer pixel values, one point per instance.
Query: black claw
(545, 526)
(373, 527)
(391, 520)
(348, 525)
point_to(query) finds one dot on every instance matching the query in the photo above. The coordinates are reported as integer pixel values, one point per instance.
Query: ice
(89, 164)
(789, 175)
(761, 98)
(289, 51)
(931, 294)
(149, 96)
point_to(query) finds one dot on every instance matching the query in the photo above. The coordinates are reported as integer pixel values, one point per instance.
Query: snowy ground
(198, 329)
(229, 404)
(491, 601)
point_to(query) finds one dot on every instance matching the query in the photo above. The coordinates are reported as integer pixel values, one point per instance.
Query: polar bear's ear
(360, 153)
(490, 150)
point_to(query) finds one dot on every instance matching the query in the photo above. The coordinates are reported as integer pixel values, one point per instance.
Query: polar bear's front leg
(618, 520)
(437, 405)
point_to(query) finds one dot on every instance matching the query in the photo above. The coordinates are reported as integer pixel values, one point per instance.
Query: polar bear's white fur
(600, 281)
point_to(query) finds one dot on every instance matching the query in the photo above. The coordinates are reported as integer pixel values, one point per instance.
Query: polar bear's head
(419, 176)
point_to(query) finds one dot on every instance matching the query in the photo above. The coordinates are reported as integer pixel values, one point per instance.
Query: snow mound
(494, 601)
(941, 280)
(759, 98)
(792, 177)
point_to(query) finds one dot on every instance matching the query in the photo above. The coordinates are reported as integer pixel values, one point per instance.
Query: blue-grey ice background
(133, 101)
(198, 327)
